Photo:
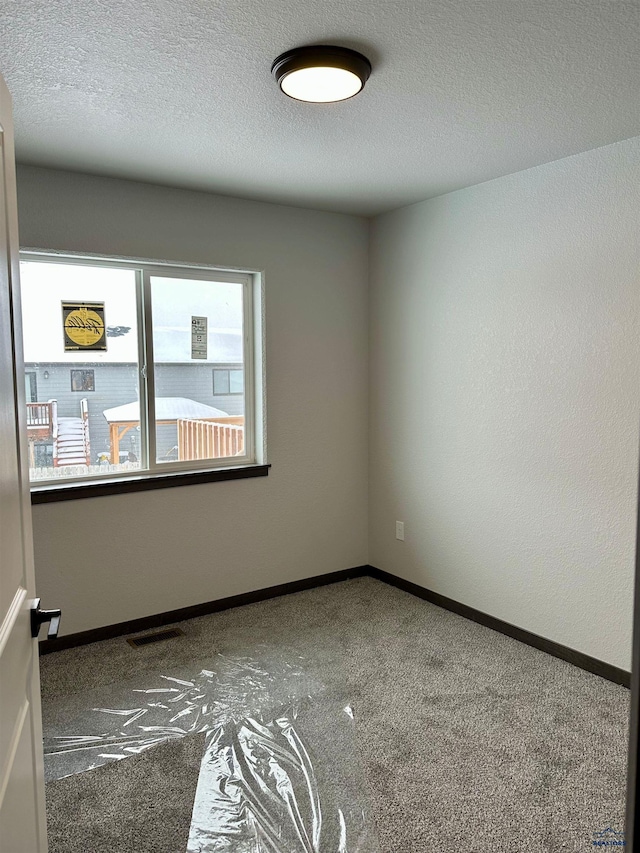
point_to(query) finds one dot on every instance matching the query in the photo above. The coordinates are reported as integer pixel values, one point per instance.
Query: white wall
(504, 339)
(110, 559)
(505, 396)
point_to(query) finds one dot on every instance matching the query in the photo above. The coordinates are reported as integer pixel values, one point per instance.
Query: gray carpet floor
(141, 805)
(469, 741)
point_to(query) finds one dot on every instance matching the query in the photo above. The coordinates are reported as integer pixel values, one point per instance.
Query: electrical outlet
(400, 530)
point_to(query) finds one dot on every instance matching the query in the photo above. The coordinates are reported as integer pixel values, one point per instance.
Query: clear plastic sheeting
(88, 729)
(287, 785)
(280, 771)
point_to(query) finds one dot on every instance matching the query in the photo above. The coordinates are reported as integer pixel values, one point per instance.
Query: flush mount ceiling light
(321, 73)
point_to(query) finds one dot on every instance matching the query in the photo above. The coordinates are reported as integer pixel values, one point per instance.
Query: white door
(22, 816)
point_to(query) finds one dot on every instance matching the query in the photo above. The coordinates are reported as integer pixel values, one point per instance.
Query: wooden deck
(215, 438)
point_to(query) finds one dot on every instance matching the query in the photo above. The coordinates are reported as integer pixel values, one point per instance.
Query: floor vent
(169, 634)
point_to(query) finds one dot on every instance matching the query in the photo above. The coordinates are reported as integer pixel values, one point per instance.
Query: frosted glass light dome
(321, 74)
(321, 85)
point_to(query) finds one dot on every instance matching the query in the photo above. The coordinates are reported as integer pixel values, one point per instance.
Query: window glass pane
(220, 382)
(31, 387)
(82, 368)
(197, 325)
(236, 381)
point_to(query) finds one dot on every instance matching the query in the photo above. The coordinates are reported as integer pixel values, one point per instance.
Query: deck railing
(208, 439)
(41, 416)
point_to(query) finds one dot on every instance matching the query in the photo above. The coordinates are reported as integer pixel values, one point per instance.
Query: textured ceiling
(180, 93)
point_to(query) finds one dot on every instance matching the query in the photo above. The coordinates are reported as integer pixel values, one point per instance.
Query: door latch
(39, 616)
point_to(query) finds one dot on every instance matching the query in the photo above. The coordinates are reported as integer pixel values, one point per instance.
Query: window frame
(163, 474)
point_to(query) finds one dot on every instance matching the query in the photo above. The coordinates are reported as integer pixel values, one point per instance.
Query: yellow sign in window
(84, 327)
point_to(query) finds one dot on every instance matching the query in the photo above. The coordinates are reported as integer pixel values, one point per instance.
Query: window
(228, 381)
(83, 380)
(139, 343)
(31, 386)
